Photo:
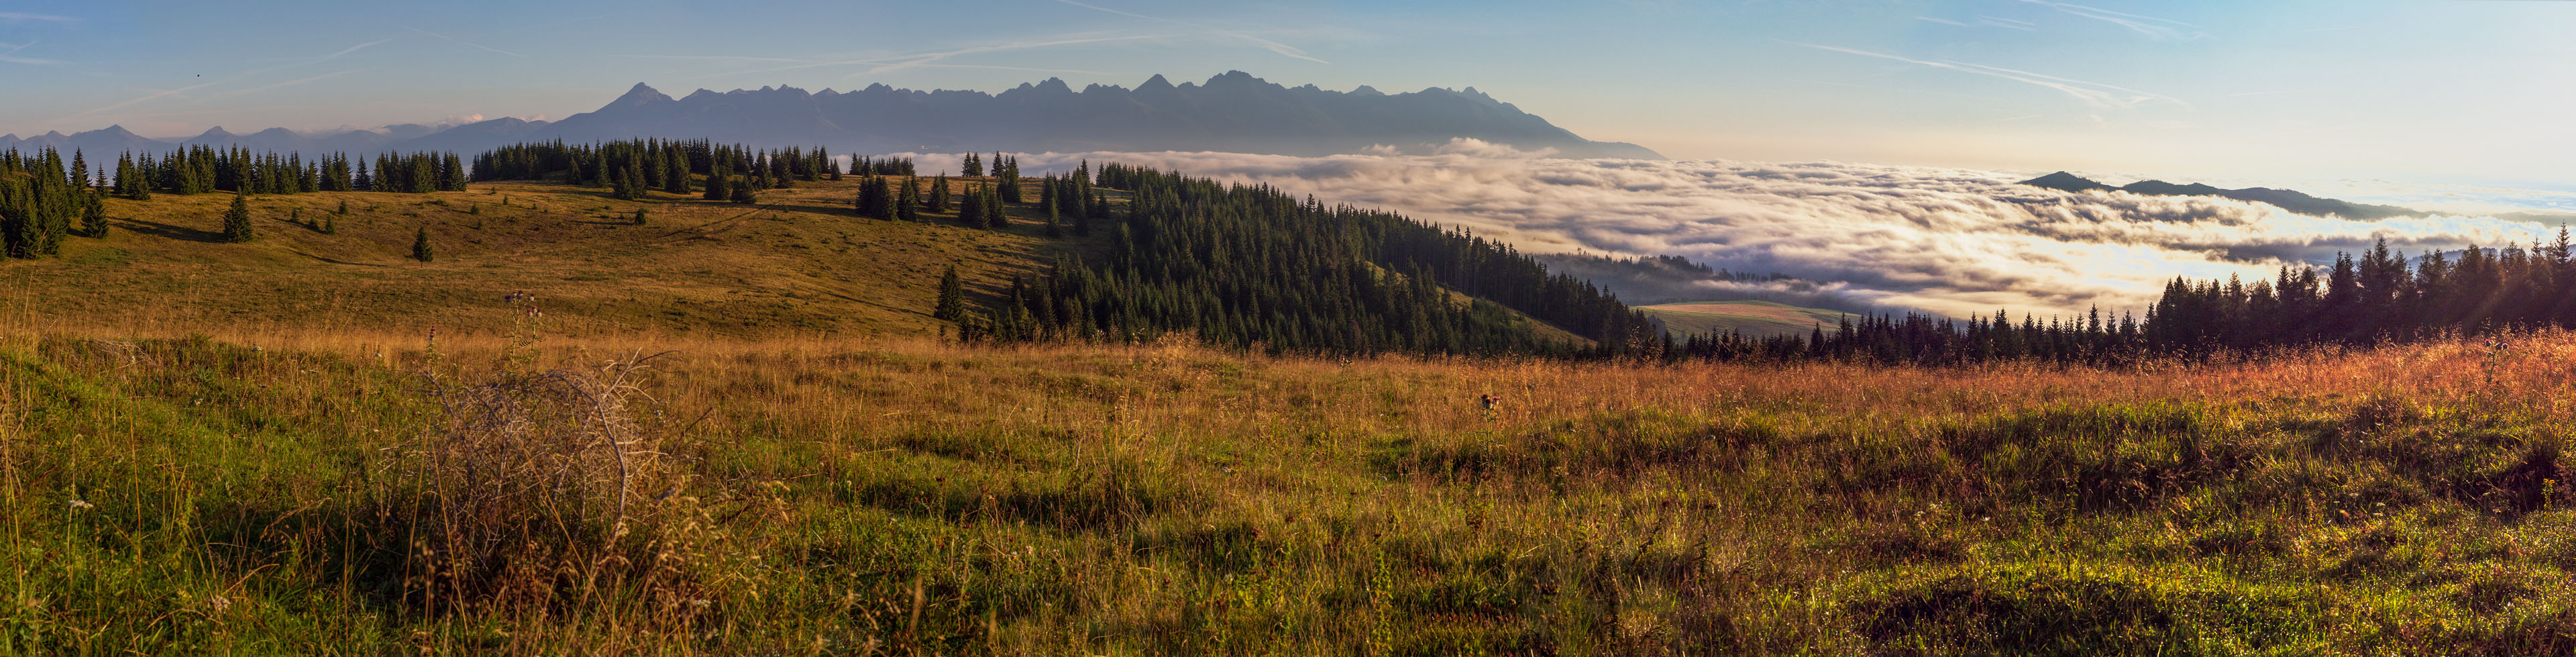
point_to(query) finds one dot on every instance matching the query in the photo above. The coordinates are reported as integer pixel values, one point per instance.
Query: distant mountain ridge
(2295, 202)
(1233, 112)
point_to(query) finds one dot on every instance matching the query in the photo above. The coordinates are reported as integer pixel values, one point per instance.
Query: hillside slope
(1751, 318)
(800, 262)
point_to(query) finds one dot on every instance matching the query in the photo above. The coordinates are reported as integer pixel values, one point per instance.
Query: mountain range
(1233, 112)
(2295, 202)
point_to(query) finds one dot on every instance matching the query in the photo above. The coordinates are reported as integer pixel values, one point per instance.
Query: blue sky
(2460, 92)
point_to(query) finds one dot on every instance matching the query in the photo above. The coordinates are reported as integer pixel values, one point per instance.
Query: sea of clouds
(1950, 241)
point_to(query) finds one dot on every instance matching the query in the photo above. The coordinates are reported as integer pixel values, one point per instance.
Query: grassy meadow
(267, 451)
(1751, 318)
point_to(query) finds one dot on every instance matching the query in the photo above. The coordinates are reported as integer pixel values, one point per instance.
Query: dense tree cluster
(1068, 202)
(201, 169)
(1249, 266)
(632, 167)
(39, 197)
(2377, 298)
(891, 166)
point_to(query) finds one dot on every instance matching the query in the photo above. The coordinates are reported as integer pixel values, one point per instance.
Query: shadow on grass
(336, 261)
(159, 229)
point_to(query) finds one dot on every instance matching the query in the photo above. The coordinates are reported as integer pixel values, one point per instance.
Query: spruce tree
(94, 215)
(993, 211)
(675, 177)
(639, 216)
(237, 220)
(970, 209)
(939, 193)
(952, 297)
(719, 186)
(420, 245)
(908, 204)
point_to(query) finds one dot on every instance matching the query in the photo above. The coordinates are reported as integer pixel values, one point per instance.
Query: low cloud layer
(1950, 241)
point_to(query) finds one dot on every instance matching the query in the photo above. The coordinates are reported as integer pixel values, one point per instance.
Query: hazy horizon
(2423, 92)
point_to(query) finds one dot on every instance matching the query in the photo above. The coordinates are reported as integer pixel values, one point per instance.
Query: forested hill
(1246, 266)
(1236, 265)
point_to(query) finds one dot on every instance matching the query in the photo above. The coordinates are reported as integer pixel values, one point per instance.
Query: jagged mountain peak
(1233, 111)
(641, 94)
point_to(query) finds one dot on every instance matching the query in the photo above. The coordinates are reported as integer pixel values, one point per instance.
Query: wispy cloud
(2007, 23)
(350, 49)
(881, 64)
(1075, 71)
(2095, 94)
(11, 55)
(1983, 21)
(288, 83)
(19, 17)
(148, 97)
(2147, 26)
(885, 64)
(1266, 44)
(470, 43)
(182, 92)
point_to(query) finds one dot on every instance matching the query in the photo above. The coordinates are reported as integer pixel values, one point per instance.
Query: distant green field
(1753, 318)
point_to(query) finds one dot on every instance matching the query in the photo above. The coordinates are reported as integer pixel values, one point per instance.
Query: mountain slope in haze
(1234, 112)
(1647, 281)
(2292, 201)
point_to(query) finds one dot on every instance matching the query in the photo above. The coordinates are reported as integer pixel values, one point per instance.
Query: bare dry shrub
(541, 495)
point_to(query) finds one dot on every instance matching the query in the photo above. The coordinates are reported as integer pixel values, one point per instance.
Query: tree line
(44, 200)
(1247, 266)
(2380, 297)
(203, 169)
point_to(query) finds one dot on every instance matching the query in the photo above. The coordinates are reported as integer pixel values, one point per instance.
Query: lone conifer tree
(420, 245)
(908, 204)
(237, 220)
(993, 211)
(970, 209)
(952, 297)
(94, 215)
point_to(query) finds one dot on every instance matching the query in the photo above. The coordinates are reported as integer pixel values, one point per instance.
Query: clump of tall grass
(543, 495)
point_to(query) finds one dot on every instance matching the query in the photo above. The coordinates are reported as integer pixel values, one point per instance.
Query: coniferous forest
(1253, 267)
(44, 199)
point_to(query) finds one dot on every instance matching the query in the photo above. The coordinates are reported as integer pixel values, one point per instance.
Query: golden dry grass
(220, 449)
(799, 262)
(908, 496)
